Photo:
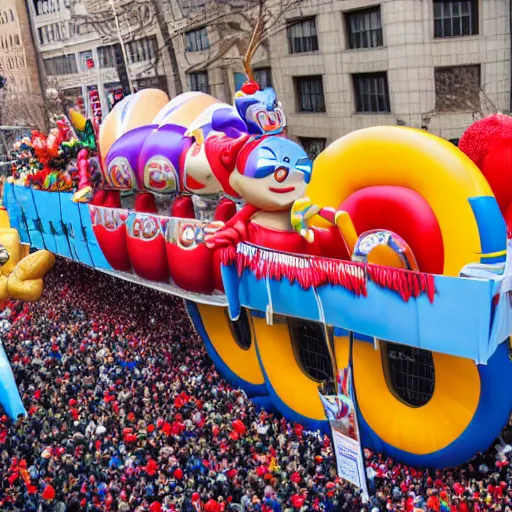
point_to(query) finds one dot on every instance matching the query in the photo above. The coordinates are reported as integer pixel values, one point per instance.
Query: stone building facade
(336, 65)
(21, 101)
(421, 63)
(340, 65)
(78, 52)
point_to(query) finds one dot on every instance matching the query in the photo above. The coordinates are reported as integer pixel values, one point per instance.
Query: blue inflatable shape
(26, 201)
(14, 209)
(9, 394)
(12, 206)
(61, 237)
(98, 259)
(75, 232)
(48, 214)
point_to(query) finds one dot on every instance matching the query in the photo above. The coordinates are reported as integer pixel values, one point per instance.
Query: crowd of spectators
(127, 413)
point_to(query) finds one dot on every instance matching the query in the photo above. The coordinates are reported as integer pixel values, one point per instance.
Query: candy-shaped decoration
(386, 248)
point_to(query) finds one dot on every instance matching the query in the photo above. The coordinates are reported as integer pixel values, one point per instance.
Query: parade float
(387, 255)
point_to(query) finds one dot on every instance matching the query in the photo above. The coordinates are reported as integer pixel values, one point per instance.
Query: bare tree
(232, 20)
(22, 109)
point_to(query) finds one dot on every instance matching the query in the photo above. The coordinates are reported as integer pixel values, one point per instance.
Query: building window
(310, 93)
(302, 36)
(107, 56)
(190, 5)
(197, 40)
(371, 91)
(46, 6)
(313, 147)
(63, 65)
(410, 373)
(264, 77)
(364, 28)
(142, 50)
(458, 89)
(310, 349)
(151, 82)
(455, 18)
(199, 82)
(86, 61)
(114, 94)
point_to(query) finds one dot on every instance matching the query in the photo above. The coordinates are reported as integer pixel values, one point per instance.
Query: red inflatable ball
(178, 474)
(250, 87)
(195, 497)
(155, 507)
(48, 493)
(488, 143)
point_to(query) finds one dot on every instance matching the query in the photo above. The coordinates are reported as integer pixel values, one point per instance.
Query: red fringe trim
(406, 284)
(310, 271)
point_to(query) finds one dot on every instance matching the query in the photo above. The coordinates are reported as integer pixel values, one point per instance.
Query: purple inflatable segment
(228, 121)
(127, 147)
(159, 158)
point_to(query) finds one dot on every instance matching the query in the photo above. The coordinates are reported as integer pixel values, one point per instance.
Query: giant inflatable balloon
(393, 238)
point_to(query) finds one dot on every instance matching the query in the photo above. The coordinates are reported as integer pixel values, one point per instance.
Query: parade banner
(342, 416)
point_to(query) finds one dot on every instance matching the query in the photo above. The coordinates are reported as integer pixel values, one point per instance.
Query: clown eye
(280, 174)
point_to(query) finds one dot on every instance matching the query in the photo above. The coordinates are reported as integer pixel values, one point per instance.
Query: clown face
(271, 173)
(198, 177)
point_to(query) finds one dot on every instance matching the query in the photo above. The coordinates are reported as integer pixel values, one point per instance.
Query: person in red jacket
(433, 503)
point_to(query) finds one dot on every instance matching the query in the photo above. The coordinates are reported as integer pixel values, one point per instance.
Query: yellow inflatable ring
(237, 364)
(416, 429)
(398, 156)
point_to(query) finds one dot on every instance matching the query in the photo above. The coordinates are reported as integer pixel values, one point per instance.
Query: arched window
(409, 372)
(241, 329)
(12, 14)
(310, 349)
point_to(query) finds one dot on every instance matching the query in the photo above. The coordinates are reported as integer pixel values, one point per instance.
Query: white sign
(342, 416)
(349, 461)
